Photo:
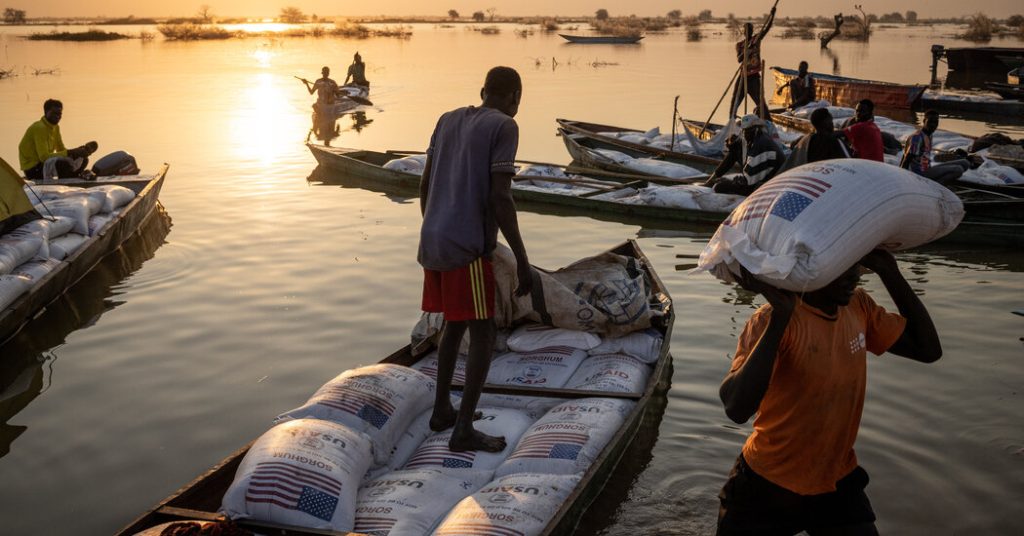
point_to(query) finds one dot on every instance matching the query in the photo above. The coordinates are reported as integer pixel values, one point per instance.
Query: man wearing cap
(42, 154)
(764, 159)
(357, 72)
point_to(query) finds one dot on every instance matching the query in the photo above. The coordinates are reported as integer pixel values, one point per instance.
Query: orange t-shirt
(808, 419)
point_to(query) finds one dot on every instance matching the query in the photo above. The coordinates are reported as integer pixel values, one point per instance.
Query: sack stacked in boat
(434, 453)
(604, 294)
(568, 438)
(519, 504)
(426, 333)
(690, 197)
(304, 473)
(612, 373)
(644, 345)
(994, 174)
(805, 227)
(649, 166)
(378, 400)
(410, 164)
(544, 368)
(411, 503)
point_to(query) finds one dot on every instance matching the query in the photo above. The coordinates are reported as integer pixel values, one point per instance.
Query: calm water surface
(256, 287)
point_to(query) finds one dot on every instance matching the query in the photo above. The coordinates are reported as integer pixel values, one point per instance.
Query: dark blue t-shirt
(468, 144)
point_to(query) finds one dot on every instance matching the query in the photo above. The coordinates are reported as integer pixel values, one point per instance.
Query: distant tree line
(14, 16)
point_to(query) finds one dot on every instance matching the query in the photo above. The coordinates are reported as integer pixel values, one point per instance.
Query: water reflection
(27, 367)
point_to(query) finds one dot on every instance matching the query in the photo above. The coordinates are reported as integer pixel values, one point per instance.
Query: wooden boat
(992, 59)
(1012, 92)
(131, 217)
(844, 91)
(602, 39)
(365, 168)
(583, 151)
(596, 132)
(200, 499)
(349, 97)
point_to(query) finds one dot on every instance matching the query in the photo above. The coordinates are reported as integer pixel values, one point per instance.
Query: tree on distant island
(1015, 21)
(478, 16)
(490, 13)
(675, 14)
(14, 16)
(452, 14)
(911, 16)
(205, 14)
(705, 16)
(292, 15)
(601, 14)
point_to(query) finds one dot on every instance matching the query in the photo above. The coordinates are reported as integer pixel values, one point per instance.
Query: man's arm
(909, 153)
(732, 156)
(744, 388)
(767, 26)
(310, 88)
(504, 209)
(41, 143)
(919, 340)
(425, 184)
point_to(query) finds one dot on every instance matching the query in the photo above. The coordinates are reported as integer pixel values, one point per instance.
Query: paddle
(356, 98)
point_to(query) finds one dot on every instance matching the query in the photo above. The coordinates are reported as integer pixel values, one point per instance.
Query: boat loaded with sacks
(359, 458)
(82, 221)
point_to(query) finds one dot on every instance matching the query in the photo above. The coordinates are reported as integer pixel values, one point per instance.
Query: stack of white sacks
(360, 455)
(70, 216)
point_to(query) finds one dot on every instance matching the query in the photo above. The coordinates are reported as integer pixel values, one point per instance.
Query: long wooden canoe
(200, 499)
(602, 39)
(365, 168)
(991, 59)
(596, 132)
(583, 151)
(131, 217)
(846, 91)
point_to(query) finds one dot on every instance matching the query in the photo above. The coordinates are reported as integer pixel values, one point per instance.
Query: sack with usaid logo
(304, 473)
(521, 504)
(411, 503)
(434, 453)
(802, 229)
(613, 373)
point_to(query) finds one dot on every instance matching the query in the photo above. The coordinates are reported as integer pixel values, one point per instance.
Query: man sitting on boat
(801, 89)
(864, 135)
(357, 72)
(42, 154)
(917, 154)
(800, 366)
(764, 159)
(465, 198)
(325, 89)
(748, 54)
(822, 144)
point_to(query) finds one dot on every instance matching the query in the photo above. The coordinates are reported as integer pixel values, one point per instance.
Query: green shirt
(41, 141)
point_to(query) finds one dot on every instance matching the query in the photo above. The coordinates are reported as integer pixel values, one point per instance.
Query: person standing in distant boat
(42, 154)
(465, 199)
(801, 89)
(748, 54)
(357, 72)
(917, 154)
(801, 367)
(864, 135)
(325, 89)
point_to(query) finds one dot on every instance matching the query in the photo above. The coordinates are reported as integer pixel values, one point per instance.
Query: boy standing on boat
(917, 154)
(800, 365)
(748, 54)
(465, 198)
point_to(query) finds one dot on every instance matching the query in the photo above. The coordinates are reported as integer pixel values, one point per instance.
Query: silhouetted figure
(917, 154)
(863, 134)
(748, 54)
(822, 144)
(802, 90)
(357, 72)
(326, 90)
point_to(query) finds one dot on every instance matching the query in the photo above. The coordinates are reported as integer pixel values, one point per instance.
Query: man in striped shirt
(917, 154)
(764, 159)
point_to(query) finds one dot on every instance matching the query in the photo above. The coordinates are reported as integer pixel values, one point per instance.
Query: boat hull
(990, 59)
(844, 91)
(601, 39)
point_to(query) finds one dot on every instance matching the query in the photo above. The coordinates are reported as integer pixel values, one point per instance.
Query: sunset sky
(237, 8)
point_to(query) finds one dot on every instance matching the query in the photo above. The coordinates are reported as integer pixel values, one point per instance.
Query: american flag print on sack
(440, 456)
(459, 375)
(294, 488)
(374, 526)
(369, 408)
(475, 529)
(551, 445)
(797, 193)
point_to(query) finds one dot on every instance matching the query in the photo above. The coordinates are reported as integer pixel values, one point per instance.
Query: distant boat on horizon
(602, 39)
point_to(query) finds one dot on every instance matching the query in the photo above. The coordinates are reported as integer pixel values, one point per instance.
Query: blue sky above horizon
(269, 8)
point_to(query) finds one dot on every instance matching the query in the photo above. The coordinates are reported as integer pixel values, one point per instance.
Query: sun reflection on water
(264, 122)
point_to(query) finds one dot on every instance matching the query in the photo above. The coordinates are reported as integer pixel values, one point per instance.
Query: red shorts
(462, 294)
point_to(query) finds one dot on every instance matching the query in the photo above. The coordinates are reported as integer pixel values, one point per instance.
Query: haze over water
(172, 356)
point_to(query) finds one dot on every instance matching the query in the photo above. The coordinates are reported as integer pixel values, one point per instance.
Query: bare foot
(445, 418)
(477, 440)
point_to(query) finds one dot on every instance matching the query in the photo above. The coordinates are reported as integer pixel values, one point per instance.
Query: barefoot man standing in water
(465, 198)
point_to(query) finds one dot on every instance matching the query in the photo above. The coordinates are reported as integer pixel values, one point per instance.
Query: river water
(256, 286)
